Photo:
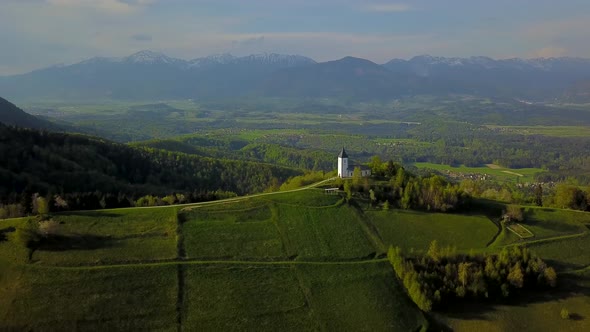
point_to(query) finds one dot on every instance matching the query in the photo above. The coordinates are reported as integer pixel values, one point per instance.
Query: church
(345, 170)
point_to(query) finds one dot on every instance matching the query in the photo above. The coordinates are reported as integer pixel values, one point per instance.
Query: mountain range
(150, 75)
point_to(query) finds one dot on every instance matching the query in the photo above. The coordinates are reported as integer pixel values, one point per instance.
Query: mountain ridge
(153, 75)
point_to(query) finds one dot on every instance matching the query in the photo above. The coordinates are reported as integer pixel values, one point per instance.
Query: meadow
(412, 230)
(287, 261)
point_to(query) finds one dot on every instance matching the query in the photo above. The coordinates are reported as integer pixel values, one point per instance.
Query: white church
(345, 170)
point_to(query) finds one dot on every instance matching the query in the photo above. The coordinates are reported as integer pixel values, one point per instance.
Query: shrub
(565, 314)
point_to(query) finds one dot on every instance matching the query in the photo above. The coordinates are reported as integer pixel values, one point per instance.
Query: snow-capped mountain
(264, 59)
(150, 58)
(153, 75)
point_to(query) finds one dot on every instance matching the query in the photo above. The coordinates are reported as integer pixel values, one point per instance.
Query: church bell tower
(343, 164)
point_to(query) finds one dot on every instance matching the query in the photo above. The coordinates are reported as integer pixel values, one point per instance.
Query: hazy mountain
(352, 77)
(14, 116)
(150, 75)
(535, 78)
(579, 92)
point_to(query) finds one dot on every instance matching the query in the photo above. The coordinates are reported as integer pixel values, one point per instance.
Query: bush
(565, 314)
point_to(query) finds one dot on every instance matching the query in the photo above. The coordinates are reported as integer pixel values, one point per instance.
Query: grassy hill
(287, 261)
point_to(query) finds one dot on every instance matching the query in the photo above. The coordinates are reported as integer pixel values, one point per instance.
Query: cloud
(142, 37)
(550, 52)
(387, 7)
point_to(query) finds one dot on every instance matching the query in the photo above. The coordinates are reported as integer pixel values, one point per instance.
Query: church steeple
(343, 164)
(343, 154)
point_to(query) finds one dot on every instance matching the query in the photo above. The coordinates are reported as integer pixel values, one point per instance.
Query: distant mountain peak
(150, 57)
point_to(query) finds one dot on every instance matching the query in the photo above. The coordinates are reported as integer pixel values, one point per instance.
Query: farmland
(287, 261)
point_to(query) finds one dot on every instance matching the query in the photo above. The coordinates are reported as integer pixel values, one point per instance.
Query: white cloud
(387, 7)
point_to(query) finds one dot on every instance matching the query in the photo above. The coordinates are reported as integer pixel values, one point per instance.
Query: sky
(39, 33)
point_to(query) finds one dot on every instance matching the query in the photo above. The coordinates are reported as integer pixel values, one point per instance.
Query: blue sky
(38, 33)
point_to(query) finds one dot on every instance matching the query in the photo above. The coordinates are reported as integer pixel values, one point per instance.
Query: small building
(345, 170)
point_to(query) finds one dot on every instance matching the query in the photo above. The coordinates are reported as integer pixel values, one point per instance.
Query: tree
(348, 190)
(539, 195)
(463, 273)
(356, 176)
(42, 206)
(515, 276)
(550, 276)
(376, 165)
(406, 201)
(514, 213)
(386, 205)
(433, 251)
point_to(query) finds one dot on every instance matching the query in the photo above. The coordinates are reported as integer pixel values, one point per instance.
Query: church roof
(342, 154)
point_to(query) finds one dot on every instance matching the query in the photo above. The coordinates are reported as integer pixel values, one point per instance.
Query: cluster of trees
(442, 275)
(563, 195)
(303, 180)
(405, 190)
(90, 173)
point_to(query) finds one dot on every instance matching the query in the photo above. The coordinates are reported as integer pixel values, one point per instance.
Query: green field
(48, 299)
(498, 173)
(415, 230)
(287, 261)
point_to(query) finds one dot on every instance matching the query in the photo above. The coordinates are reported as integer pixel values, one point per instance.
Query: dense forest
(86, 171)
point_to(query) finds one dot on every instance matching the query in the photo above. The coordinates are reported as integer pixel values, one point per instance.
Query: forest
(90, 173)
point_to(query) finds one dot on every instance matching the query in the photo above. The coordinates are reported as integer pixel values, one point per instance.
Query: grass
(291, 261)
(567, 254)
(499, 173)
(303, 298)
(309, 198)
(33, 298)
(266, 298)
(359, 298)
(111, 236)
(546, 224)
(234, 234)
(332, 233)
(415, 230)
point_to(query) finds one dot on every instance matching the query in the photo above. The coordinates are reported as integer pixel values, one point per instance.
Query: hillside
(67, 164)
(11, 115)
(261, 264)
(300, 260)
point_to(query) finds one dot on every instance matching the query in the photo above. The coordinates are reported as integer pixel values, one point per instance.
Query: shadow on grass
(5, 231)
(472, 309)
(73, 242)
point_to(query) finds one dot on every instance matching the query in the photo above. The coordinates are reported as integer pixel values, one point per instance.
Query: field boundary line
(550, 239)
(285, 264)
